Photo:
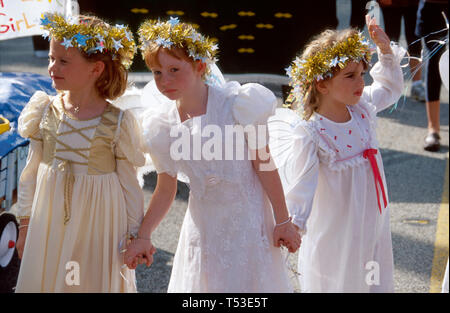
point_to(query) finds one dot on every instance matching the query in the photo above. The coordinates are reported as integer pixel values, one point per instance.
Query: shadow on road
(413, 178)
(413, 113)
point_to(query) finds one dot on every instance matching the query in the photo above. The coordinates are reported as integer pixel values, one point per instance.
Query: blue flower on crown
(166, 43)
(67, 43)
(195, 36)
(192, 54)
(117, 44)
(173, 21)
(45, 21)
(46, 35)
(343, 59)
(299, 63)
(99, 47)
(128, 35)
(81, 39)
(100, 38)
(289, 71)
(334, 62)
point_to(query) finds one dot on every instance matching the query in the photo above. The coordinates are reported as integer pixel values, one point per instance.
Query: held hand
(139, 259)
(139, 251)
(378, 35)
(287, 235)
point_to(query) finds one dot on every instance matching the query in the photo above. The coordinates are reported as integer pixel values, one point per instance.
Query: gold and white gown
(80, 190)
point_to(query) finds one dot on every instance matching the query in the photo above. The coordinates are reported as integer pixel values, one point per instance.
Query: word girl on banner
(20, 18)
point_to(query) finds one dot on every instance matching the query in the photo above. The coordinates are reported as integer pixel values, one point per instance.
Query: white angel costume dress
(80, 190)
(226, 241)
(333, 178)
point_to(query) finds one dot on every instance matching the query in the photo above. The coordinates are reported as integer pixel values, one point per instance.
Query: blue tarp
(15, 91)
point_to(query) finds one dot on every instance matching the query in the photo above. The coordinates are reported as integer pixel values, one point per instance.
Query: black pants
(429, 20)
(392, 23)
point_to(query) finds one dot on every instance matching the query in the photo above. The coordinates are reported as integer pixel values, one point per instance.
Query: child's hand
(291, 248)
(139, 259)
(287, 235)
(378, 36)
(139, 251)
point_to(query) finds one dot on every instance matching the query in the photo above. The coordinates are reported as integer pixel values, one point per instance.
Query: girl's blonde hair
(321, 42)
(114, 80)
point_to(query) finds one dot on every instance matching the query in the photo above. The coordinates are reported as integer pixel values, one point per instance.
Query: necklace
(76, 108)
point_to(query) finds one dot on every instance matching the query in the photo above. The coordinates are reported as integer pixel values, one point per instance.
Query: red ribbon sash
(370, 154)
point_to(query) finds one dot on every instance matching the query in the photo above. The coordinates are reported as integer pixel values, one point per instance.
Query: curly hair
(319, 43)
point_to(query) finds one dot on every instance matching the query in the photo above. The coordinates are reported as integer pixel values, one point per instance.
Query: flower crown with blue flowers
(173, 33)
(101, 38)
(319, 66)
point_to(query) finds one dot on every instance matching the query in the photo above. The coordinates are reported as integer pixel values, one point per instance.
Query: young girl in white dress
(78, 194)
(230, 238)
(333, 173)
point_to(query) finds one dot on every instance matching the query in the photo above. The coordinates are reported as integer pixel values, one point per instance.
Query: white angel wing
(281, 138)
(130, 100)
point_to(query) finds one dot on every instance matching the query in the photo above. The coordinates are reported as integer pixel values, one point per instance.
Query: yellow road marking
(440, 257)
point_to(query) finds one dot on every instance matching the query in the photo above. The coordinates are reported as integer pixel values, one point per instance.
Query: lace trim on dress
(327, 151)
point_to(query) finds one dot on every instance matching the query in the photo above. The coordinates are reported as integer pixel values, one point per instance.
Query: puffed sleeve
(31, 115)
(129, 141)
(128, 157)
(156, 142)
(387, 86)
(303, 172)
(252, 107)
(28, 127)
(27, 181)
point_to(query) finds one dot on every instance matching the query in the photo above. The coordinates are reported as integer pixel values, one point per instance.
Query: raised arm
(387, 86)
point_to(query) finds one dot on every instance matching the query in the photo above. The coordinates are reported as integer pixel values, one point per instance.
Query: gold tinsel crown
(319, 66)
(103, 38)
(173, 33)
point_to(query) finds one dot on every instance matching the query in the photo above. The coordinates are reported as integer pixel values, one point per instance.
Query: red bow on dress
(370, 154)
